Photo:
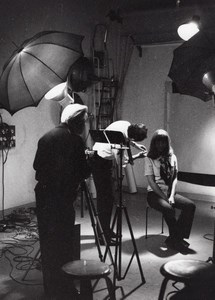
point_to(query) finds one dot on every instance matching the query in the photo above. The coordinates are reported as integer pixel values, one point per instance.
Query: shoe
(176, 244)
(179, 246)
(185, 243)
(183, 249)
(170, 242)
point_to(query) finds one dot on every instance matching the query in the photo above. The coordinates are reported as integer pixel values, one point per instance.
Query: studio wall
(148, 98)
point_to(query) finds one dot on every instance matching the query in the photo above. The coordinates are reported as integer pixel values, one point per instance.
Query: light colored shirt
(152, 167)
(106, 150)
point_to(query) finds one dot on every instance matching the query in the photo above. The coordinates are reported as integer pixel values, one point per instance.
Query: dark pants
(56, 218)
(178, 228)
(102, 175)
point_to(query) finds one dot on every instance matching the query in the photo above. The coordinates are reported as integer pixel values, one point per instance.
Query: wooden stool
(186, 271)
(87, 270)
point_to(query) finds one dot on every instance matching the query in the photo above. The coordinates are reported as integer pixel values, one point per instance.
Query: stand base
(117, 220)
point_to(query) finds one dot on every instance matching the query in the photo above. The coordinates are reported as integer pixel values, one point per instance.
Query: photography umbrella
(191, 61)
(39, 64)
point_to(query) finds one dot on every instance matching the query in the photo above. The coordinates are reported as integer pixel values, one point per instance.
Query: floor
(17, 248)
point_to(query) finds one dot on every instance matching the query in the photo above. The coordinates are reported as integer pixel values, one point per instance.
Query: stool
(187, 272)
(162, 222)
(87, 270)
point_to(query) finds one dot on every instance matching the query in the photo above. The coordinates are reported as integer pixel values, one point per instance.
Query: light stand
(117, 138)
(212, 259)
(4, 224)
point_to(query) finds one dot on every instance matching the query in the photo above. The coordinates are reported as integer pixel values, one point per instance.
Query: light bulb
(186, 31)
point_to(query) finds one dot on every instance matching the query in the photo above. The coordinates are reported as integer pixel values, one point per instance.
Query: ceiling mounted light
(187, 30)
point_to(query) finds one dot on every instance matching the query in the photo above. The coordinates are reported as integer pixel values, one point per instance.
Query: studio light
(187, 30)
(57, 93)
(209, 80)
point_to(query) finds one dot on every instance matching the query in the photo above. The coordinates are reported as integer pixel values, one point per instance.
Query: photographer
(60, 165)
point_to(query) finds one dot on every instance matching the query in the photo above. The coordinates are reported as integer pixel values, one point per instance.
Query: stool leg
(110, 288)
(86, 291)
(146, 235)
(82, 204)
(162, 289)
(162, 224)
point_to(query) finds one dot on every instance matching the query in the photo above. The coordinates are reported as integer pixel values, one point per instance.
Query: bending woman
(161, 171)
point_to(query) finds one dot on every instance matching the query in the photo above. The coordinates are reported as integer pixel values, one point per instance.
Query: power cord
(18, 250)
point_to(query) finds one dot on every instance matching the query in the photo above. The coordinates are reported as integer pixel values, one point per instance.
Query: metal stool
(147, 214)
(185, 271)
(87, 270)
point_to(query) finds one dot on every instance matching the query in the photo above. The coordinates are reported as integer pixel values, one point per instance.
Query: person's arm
(130, 159)
(155, 187)
(138, 146)
(174, 183)
(134, 157)
(171, 197)
(141, 154)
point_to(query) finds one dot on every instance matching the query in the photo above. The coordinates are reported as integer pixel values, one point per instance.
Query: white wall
(144, 93)
(20, 20)
(191, 121)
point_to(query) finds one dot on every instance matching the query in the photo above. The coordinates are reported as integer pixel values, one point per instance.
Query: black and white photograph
(107, 150)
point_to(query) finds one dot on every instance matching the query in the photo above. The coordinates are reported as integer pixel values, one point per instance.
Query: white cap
(71, 111)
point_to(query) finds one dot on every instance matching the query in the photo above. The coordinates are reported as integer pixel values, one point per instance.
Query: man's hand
(142, 147)
(143, 154)
(89, 153)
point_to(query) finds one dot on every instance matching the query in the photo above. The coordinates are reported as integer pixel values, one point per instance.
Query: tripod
(116, 140)
(95, 222)
(117, 221)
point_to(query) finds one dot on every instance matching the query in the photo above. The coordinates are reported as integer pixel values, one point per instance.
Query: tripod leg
(118, 250)
(94, 216)
(134, 245)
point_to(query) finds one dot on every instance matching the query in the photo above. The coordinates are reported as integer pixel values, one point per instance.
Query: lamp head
(57, 93)
(187, 30)
(81, 75)
(209, 80)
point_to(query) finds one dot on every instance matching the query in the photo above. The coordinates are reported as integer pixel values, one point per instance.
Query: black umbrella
(191, 61)
(38, 65)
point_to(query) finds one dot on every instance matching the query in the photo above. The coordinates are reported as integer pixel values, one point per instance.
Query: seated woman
(161, 171)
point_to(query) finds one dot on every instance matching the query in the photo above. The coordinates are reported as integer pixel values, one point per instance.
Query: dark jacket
(60, 160)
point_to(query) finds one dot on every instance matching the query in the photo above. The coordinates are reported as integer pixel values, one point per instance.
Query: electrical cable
(17, 250)
(206, 236)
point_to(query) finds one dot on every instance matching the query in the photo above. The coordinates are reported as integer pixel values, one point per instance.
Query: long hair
(163, 135)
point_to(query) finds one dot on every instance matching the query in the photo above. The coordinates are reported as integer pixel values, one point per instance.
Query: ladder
(105, 91)
(106, 104)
